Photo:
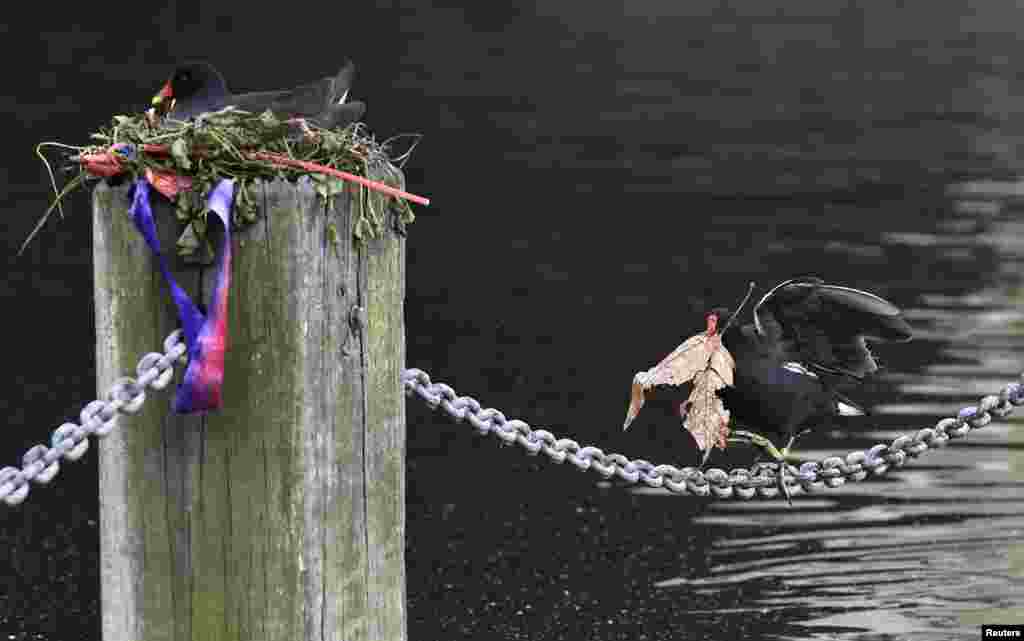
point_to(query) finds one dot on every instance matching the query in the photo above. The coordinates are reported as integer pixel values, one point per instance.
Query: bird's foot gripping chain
(783, 457)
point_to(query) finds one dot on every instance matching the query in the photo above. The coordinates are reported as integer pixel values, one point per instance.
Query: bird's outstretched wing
(825, 326)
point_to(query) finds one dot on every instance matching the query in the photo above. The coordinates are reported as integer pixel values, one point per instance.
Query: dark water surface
(602, 174)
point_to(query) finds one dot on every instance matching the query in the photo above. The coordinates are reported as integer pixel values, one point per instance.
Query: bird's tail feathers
(846, 407)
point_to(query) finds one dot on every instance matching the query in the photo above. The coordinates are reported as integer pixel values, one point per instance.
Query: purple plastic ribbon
(205, 335)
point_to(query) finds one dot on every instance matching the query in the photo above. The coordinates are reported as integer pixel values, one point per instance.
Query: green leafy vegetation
(217, 145)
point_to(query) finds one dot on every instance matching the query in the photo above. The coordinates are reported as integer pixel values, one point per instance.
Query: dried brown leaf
(677, 368)
(722, 363)
(682, 364)
(636, 401)
(707, 418)
(705, 361)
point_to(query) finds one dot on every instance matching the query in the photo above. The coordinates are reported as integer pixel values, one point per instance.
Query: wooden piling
(280, 517)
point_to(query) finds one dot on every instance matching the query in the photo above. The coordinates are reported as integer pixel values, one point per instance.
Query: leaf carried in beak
(705, 361)
(678, 368)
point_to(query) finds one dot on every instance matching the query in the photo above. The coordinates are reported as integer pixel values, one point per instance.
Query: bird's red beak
(712, 324)
(163, 101)
(164, 93)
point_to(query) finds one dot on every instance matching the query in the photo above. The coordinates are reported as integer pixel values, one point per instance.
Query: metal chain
(759, 480)
(70, 441)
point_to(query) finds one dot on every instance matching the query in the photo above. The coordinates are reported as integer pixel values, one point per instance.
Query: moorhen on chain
(807, 338)
(198, 87)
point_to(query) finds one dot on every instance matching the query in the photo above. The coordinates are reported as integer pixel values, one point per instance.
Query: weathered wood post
(280, 517)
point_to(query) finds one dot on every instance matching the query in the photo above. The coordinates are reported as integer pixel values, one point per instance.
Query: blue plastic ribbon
(205, 335)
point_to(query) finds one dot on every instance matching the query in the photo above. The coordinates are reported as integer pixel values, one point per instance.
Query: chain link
(71, 440)
(760, 480)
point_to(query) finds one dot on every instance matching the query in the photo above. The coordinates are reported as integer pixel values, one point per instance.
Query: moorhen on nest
(807, 338)
(197, 87)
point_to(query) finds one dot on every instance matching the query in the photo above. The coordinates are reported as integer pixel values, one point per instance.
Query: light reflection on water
(937, 549)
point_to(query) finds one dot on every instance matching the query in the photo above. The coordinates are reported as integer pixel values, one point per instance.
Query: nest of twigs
(246, 147)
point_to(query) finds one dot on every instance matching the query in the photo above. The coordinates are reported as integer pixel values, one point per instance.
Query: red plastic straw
(105, 163)
(321, 169)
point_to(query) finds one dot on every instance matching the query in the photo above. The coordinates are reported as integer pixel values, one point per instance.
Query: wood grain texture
(382, 288)
(281, 516)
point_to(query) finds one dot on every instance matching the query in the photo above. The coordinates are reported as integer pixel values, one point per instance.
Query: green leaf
(245, 206)
(180, 151)
(268, 119)
(330, 143)
(332, 234)
(188, 242)
(328, 186)
(181, 207)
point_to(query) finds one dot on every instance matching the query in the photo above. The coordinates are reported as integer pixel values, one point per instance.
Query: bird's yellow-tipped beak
(165, 92)
(163, 103)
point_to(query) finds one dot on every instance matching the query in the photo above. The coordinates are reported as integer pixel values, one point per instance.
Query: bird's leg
(762, 442)
(787, 453)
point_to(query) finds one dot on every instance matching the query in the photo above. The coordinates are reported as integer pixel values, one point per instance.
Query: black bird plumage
(807, 339)
(198, 87)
